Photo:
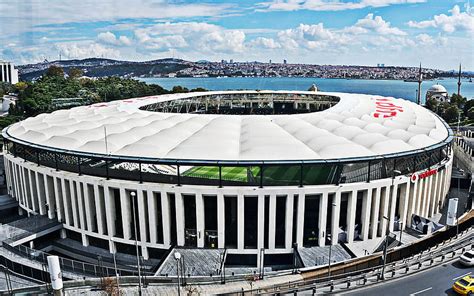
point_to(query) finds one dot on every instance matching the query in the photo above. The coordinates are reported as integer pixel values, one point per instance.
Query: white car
(467, 258)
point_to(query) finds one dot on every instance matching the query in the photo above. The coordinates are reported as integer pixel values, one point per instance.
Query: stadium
(257, 173)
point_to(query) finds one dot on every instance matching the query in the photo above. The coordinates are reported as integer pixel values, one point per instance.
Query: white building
(201, 176)
(437, 92)
(8, 73)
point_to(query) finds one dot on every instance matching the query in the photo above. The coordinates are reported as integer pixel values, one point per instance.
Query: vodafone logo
(415, 177)
(384, 108)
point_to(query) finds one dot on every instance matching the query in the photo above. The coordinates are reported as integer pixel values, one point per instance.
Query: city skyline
(391, 32)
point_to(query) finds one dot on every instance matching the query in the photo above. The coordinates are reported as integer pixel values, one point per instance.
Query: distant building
(7, 100)
(313, 88)
(284, 62)
(437, 92)
(8, 73)
(231, 61)
(380, 65)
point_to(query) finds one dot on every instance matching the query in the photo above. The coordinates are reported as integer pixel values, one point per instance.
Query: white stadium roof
(351, 128)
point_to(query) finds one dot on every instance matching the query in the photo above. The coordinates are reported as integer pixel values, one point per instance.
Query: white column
(152, 216)
(179, 219)
(165, 211)
(30, 192)
(300, 220)
(427, 197)
(57, 196)
(41, 196)
(65, 202)
(384, 207)
(412, 201)
(80, 203)
(439, 187)
(126, 210)
(89, 210)
(99, 211)
(335, 218)
(261, 222)
(322, 218)
(200, 220)
(419, 196)
(142, 222)
(351, 213)
(272, 222)
(393, 204)
(433, 198)
(366, 204)
(220, 221)
(72, 194)
(404, 199)
(109, 212)
(289, 221)
(240, 222)
(49, 197)
(375, 213)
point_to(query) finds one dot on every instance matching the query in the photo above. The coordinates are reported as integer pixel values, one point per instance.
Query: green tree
(179, 89)
(470, 113)
(451, 114)
(432, 104)
(459, 101)
(55, 71)
(75, 73)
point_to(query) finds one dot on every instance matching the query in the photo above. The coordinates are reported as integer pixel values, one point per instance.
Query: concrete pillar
(240, 222)
(335, 218)
(66, 204)
(142, 222)
(200, 220)
(126, 209)
(99, 211)
(40, 192)
(434, 197)
(179, 205)
(165, 211)
(351, 213)
(220, 221)
(385, 197)
(404, 200)
(49, 197)
(393, 204)
(60, 215)
(74, 204)
(151, 203)
(261, 222)
(375, 212)
(322, 216)
(412, 201)
(82, 219)
(272, 222)
(419, 196)
(366, 206)
(300, 220)
(109, 212)
(289, 221)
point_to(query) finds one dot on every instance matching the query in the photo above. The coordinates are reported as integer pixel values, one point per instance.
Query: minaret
(459, 81)
(420, 79)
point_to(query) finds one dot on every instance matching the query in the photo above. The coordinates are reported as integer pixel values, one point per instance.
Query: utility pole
(420, 79)
(459, 81)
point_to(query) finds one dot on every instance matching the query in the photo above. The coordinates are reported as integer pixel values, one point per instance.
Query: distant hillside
(97, 67)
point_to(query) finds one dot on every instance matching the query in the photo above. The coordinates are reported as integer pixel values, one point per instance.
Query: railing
(69, 265)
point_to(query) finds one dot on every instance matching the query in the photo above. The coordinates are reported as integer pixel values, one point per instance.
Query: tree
(55, 71)
(179, 89)
(432, 104)
(75, 73)
(470, 113)
(459, 101)
(451, 114)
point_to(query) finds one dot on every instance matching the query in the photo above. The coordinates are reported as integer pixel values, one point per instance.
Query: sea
(389, 88)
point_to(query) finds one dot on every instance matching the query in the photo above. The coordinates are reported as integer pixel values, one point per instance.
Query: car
(464, 286)
(467, 258)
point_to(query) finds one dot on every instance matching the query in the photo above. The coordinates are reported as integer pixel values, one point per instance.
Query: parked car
(467, 258)
(464, 286)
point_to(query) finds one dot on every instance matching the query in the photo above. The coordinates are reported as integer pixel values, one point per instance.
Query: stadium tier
(240, 170)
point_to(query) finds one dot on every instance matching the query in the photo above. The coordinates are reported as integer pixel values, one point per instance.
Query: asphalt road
(435, 281)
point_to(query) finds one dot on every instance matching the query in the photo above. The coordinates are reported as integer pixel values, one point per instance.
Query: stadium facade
(242, 170)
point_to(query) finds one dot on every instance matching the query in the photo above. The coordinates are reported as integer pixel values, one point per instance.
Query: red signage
(423, 175)
(384, 108)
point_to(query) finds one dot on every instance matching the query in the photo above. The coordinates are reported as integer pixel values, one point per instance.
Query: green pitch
(273, 175)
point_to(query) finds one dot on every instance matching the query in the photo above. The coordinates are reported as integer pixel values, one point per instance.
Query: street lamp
(177, 256)
(133, 195)
(115, 264)
(401, 231)
(382, 276)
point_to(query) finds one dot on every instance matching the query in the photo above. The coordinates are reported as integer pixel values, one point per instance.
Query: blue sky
(437, 33)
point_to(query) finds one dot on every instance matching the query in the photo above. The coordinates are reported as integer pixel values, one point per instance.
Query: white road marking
(461, 276)
(427, 289)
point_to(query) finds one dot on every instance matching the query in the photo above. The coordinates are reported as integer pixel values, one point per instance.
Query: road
(435, 281)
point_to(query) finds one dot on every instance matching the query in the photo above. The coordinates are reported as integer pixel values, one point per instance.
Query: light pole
(401, 231)
(115, 264)
(133, 195)
(177, 256)
(382, 276)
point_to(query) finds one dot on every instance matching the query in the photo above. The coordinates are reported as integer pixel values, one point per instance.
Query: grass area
(273, 175)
